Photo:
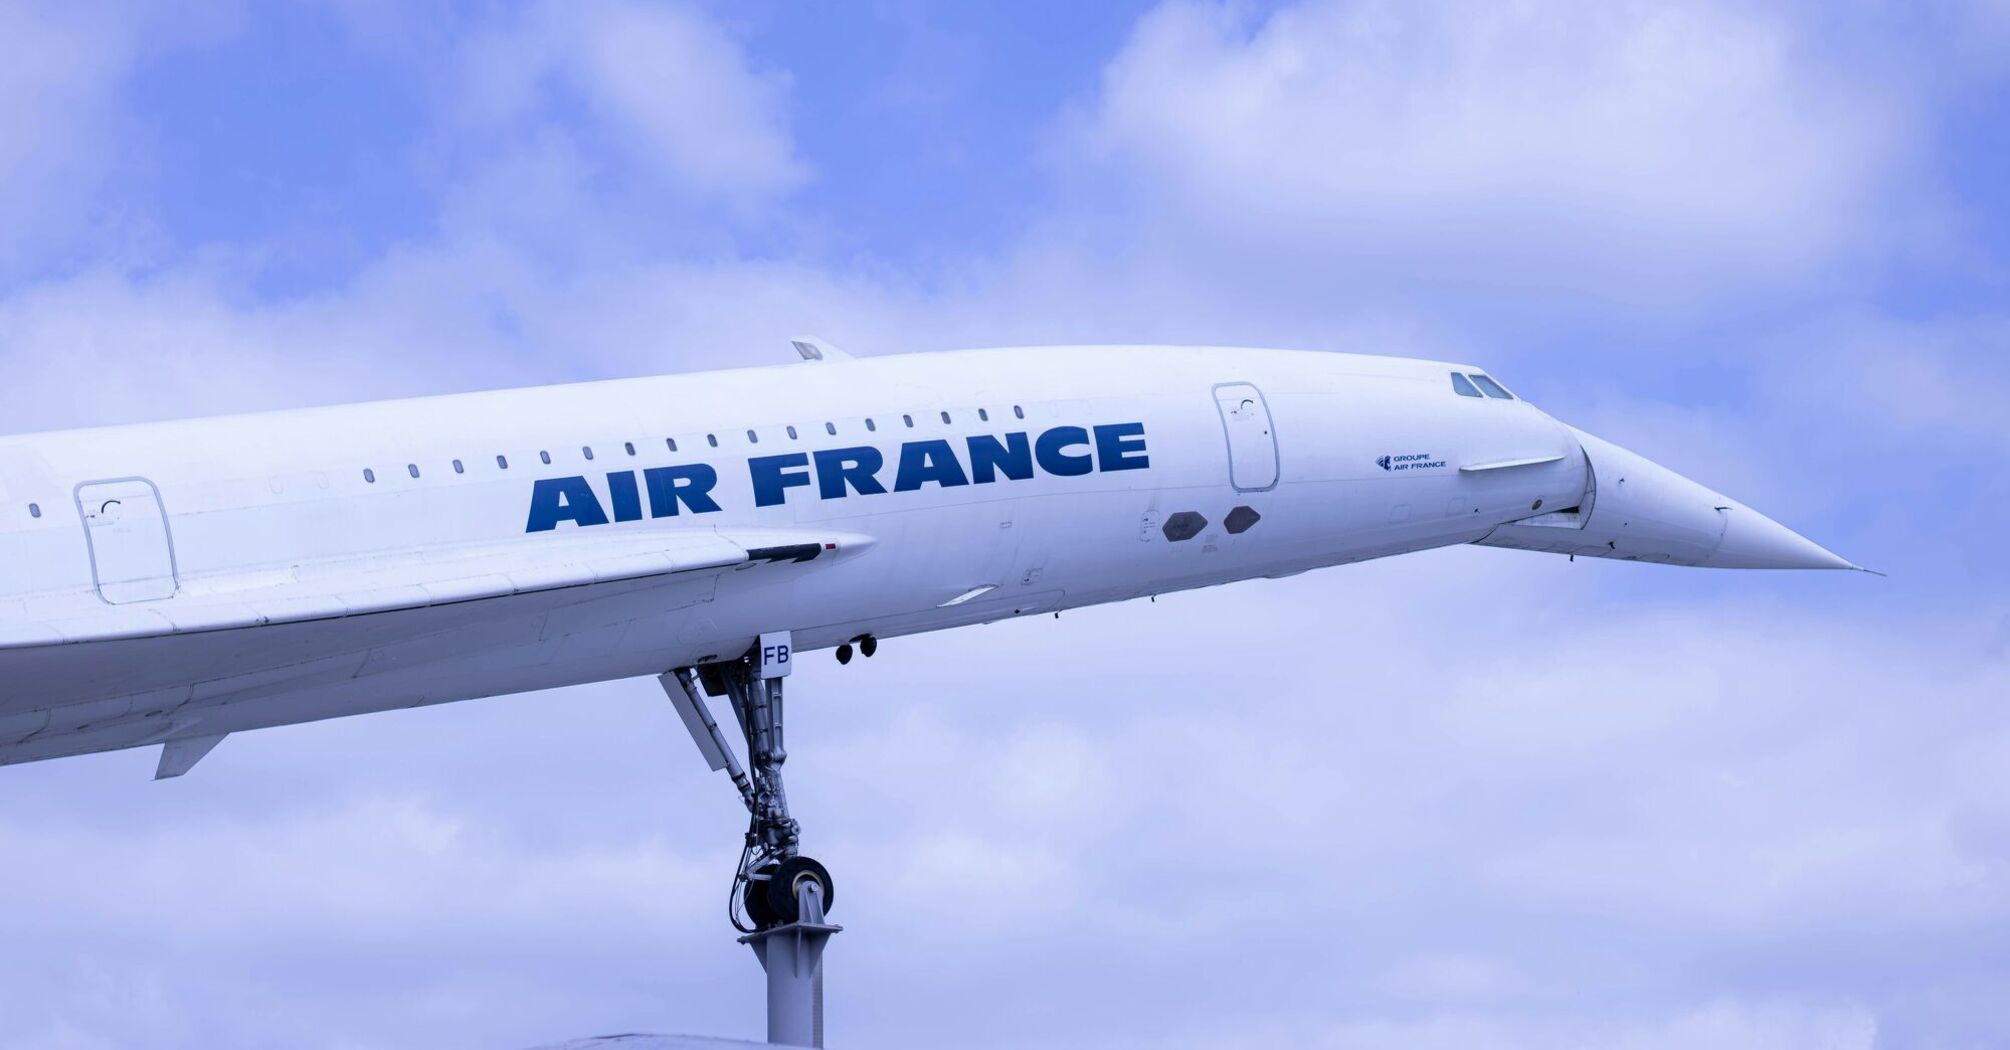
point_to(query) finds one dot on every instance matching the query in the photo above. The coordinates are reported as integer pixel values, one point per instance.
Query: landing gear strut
(779, 897)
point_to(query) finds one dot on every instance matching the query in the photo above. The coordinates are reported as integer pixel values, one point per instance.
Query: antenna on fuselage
(814, 349)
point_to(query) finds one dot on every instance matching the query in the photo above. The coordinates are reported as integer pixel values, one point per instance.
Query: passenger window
(870, 425)
(672, 442)
(983, 415)
(1018, 413)
(1492, 388)
(502, 462)
(945, 418)
(546, 456)
(630, 446)
(753, 438)
(830, 428)
(586, 451)
(413, 468)
(458, 469)
(907, 419)
(1464, 386)
(792, 434)
(34, 510)
(369, 475)
(712, 440)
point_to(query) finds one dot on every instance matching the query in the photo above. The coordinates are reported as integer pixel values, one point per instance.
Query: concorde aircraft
(172, 583)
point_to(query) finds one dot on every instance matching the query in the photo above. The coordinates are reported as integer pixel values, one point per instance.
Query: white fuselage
(216, 575)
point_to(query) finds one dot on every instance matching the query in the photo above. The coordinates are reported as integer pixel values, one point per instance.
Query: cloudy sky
(1470, 798)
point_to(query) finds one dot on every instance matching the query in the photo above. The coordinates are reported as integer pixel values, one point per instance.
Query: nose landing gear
(779, 898)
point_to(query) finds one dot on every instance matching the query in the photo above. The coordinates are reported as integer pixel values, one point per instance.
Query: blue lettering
(1121, 446)
(837, 467)
(771, 485)
(1062, 464)
(553, 500)
(988, 455)
(1066, 452)
(622, 493)
(924, 461)
(688, 483)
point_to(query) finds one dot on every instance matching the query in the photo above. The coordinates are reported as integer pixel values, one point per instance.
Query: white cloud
(71, 156)
(1655, 152)
(671, 93)
(60, 67)
(102, 347)
(1934, 380)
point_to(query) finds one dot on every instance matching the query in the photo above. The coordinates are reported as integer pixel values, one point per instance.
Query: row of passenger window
(711, 441)
(1470, 386)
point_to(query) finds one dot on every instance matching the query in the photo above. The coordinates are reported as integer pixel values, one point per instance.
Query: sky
(1463, 798)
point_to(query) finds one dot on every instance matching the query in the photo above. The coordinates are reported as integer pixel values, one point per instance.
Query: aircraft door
(1252, 442)
(132, 557)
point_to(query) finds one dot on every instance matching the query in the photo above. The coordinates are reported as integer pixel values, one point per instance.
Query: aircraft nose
(1754, 541)
(1638, 510)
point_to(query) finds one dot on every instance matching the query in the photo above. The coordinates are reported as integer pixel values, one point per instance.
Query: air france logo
(1413, 461)
(842, 473)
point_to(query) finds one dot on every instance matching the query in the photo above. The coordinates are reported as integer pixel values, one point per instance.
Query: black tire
(755, 899)
(782, 888)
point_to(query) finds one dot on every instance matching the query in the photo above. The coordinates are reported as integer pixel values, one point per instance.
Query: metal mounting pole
(793, 956)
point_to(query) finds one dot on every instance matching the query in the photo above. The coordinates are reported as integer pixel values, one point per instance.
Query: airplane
(173, 583)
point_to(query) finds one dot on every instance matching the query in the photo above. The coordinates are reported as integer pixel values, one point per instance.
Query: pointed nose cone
(1639, 510)
(1754, 541)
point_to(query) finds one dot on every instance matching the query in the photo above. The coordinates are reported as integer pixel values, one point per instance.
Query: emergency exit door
(132, 558)
(1252, 444)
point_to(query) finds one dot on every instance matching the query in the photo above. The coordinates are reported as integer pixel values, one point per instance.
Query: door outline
(1228, 442)
(91, 540)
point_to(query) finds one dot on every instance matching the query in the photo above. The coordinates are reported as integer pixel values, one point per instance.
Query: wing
(386, 633)
(430, 579)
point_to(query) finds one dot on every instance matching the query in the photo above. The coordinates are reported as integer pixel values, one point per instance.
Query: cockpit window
(1492, 388)
(1464, 386)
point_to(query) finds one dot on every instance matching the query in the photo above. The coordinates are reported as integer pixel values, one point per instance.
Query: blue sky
(1523, 802)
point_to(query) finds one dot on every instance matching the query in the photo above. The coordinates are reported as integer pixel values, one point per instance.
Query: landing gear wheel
(781, 889)
(755, 899)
